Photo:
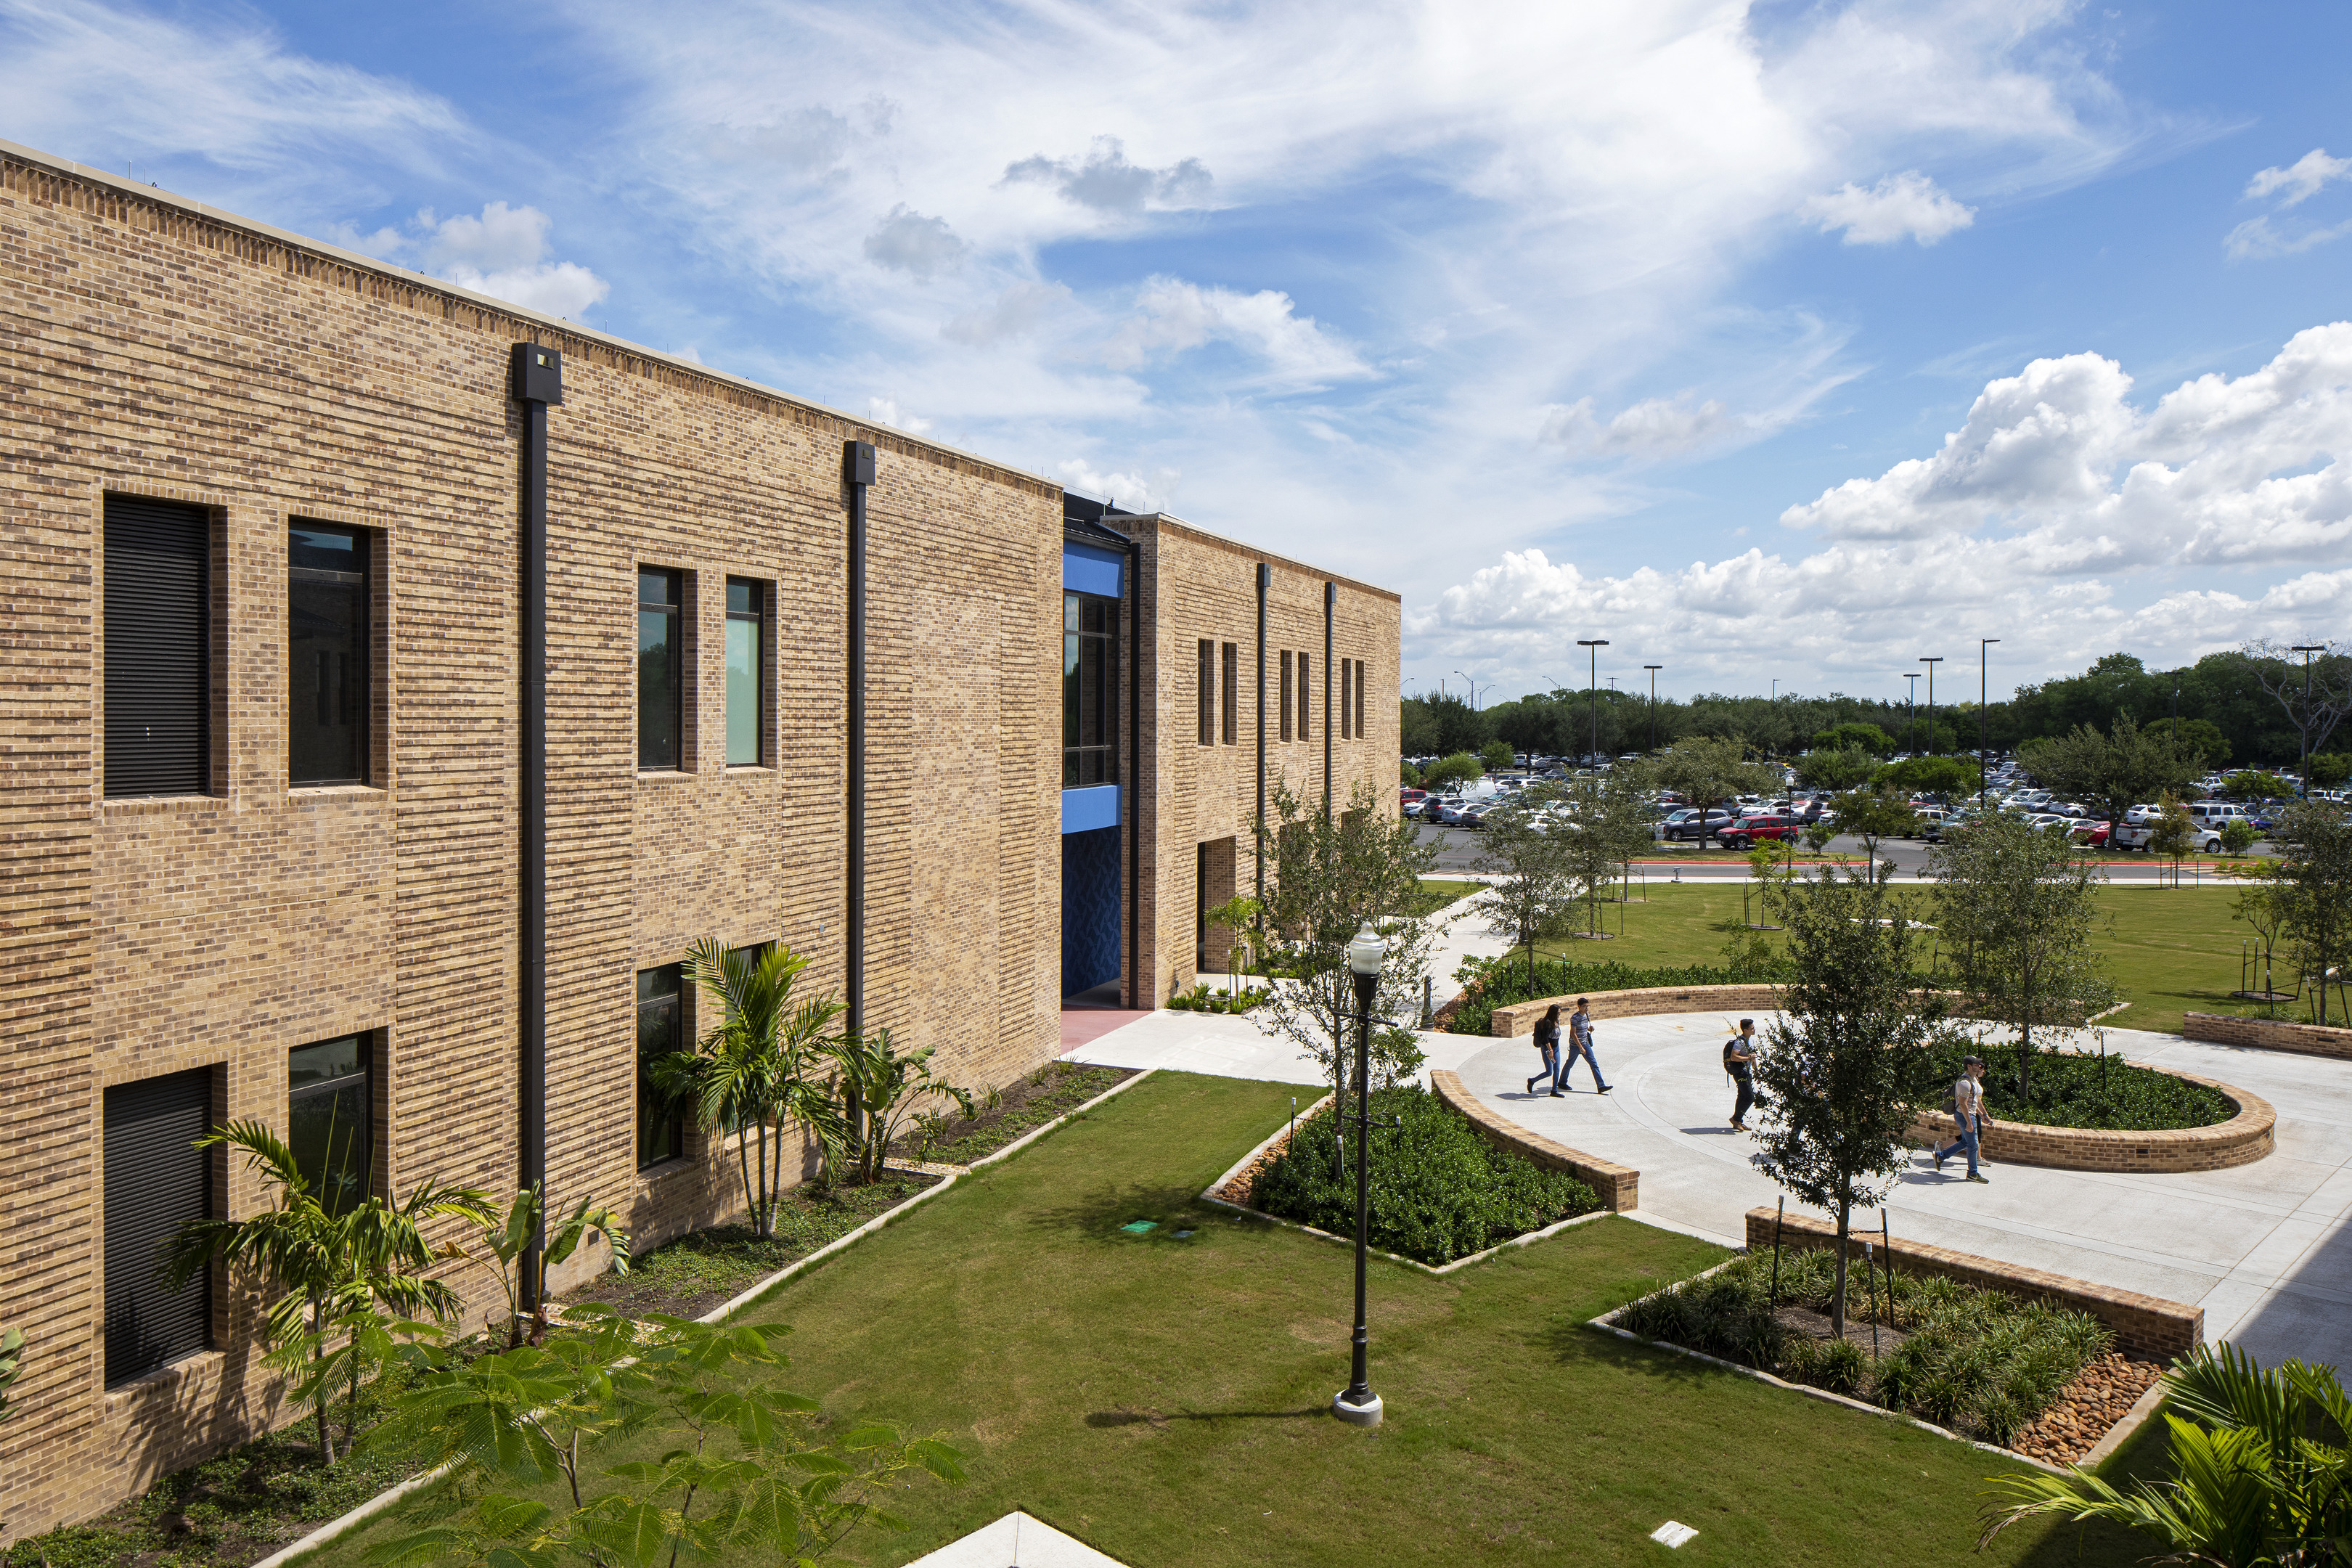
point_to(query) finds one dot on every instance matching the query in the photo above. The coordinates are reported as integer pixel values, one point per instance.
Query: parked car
(1451, 810)
(1408, 799)
(1687, 824)
(1743, 831)
(2095, 834)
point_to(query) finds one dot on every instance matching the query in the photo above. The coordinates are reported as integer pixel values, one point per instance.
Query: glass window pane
(307, 1066)
(656, 587)
(1069, 612)
(661, 1122)
(658, 672)
(326, 1119)
(743, 692)
(743, 598)
(327, 664)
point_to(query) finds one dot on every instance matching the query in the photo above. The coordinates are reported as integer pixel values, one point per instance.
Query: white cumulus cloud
(920, 246)
(2302, 179)
(1130, 492)
(1909, 205)
(884, 411)
(1653, 427)
(2263, 236)
(1171, 315)
(1106, 182)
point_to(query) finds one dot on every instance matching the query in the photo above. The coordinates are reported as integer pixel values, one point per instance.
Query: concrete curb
(383, 1502)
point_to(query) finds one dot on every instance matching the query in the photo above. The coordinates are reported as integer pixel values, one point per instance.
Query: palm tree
(758, 1068)
(328, 1267)
(2262, 1462)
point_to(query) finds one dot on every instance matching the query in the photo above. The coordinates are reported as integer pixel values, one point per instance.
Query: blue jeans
(1967, 1139)
(1570, 1051)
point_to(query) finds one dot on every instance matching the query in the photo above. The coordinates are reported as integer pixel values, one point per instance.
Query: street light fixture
(1982, 744)
(1593, 686)
(1357, 1404)
(1474, 689)
(1653, 670)
(1931, 664)
(2302, 725)
(1911, 723)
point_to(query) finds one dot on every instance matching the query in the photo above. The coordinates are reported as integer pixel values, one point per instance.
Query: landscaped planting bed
(1491, 983)
(1007, 1115)
(1439, 1192)
(2075, 1088)
(1980, 1362)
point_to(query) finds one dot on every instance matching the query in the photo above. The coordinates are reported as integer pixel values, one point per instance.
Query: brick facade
(2148, 1327)
(159, 350)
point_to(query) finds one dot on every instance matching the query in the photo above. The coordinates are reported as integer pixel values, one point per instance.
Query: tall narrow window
(661, 1029)
(1208, 692)
(1233, 692)
(326, 1119)
(1089, 690)
(1286, 694)
(660, 665)
(158, 648)
(747, 666)
(1306, 703)
(1360, 699)
(327, 685)
(1347, 698)
(154, 1179)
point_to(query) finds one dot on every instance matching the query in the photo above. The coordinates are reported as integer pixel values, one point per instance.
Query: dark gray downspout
(1130, 799)
(857, 473)
(1265, 577)
(538, 381)
(1330, 608)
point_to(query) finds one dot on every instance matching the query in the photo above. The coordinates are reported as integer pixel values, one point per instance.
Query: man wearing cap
(1969, 1106)
(1579, 1044)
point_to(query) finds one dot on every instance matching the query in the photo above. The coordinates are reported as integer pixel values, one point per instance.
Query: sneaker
(1979, 1178)
(1939, 1159)
(1559, 1094)
(1604, 1088)
(1531, 1086)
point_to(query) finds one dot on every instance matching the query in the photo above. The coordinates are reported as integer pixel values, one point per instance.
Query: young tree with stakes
(1606, 824)
(2317, 877)
(2018, 908)
(1845, 1064)
(1527, 849)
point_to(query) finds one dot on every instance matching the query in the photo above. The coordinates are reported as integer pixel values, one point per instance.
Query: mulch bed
(1019, 1108)
(2102, 1396)
(1816, 1325)
(1244, 1183)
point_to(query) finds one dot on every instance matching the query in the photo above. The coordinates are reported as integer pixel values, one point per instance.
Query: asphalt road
(1459, 848)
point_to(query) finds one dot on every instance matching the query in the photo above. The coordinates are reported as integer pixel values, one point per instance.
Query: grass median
(1165, 1398)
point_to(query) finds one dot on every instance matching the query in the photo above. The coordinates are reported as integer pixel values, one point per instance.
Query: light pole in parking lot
(1593, 688)
(1982, 644)
(1911, 701)
(2302, 725)
(1653, 670)
(1931, 664)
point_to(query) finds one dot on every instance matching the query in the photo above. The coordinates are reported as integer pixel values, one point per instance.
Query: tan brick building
(267, 775)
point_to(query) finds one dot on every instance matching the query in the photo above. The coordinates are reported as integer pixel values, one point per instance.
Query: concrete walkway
(2266, 1248)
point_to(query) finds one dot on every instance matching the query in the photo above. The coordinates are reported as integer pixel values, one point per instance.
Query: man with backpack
(1969, 1108)
(1739, 1061)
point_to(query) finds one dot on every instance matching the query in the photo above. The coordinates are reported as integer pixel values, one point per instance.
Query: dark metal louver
(154, 1179)
(158, 700)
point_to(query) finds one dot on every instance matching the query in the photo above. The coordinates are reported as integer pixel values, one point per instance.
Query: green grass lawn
(1436, 892)
(2170, 950)
(1166, 1399)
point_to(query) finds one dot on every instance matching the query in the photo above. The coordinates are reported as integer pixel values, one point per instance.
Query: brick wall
(1520, 1017)
(1619, 1187)
(2148, 1327)
(2268, 1035)
(2249, 1136)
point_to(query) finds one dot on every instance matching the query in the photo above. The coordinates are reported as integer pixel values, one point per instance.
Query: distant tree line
(2224, 710)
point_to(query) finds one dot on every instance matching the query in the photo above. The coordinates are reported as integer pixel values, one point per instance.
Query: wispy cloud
(2276, 234)
(1106, 181)
(1909, 205)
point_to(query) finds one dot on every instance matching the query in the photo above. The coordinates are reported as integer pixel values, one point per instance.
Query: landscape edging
(2250, 1135)
(1619, 1187)
(343, 1524)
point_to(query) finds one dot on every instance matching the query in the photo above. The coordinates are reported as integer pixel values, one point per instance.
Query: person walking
(1579, 1044)
(1547, 1042)
(1739, 1061)
(1969, 1109)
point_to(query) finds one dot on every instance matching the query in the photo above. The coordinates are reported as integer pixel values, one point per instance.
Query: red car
(1746, 830)
(1411, 798)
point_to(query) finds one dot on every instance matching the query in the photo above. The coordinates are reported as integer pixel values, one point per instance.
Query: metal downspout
(1257, 835)
(857, 474)
(537, 381)
(1130, 799)
(1331, 608)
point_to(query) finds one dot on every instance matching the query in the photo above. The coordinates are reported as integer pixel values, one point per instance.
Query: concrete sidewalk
(2266, 1248)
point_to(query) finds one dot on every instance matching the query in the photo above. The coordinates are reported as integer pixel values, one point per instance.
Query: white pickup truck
(2208, 815)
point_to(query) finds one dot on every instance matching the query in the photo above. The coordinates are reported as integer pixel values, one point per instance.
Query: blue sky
(1769, 341)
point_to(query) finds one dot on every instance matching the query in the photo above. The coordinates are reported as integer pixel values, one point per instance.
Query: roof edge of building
(1242, 546)
(128, 190)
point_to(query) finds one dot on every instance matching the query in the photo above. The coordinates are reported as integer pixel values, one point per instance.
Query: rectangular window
(1208, 676)
(1286, 694)
(1306, 703)
(1346, 697)
(326, 688)
(154, 1179)
(747, 668)
(1233, 690)
(327, 1120)
(1089, 690)
(1360, 699)
(158, 648)
(661, 1029)
(661, 661)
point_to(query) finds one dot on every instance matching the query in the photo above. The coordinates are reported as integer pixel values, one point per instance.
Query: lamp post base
(1367, 1414)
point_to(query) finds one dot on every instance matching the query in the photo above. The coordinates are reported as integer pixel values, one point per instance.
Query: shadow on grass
(1156, 1418)
(1104, 1213)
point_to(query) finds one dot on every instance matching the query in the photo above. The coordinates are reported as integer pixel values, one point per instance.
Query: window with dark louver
(158, 645)
(154, 1179)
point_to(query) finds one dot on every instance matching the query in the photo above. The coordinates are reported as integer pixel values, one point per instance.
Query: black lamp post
(1357, 1404)
(1593, 687)
(1982, 721)
(2302, 725)
(1653, 670)
(1911, 723)
(1931, 664)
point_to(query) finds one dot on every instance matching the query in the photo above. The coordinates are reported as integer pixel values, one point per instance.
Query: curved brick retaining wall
(1619, 1187)
(2245, 1138)
(1519, 1018)
(2145, 1326)
(2268, 1035)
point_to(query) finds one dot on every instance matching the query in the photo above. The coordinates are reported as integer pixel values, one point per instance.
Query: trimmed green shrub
(2069, 1088)
(1491, 983)
(1439, 1191)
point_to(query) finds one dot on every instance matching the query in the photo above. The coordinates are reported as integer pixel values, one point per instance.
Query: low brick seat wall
(2249, 1136)
(2268, 1035)
(1520, 1017)
(2148, 1327)
(1617, 1186)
